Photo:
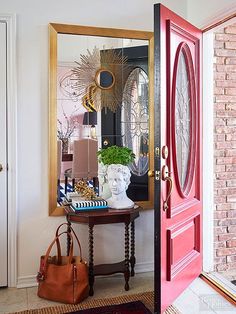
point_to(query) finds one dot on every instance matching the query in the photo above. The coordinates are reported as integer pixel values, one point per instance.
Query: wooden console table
(92, 218)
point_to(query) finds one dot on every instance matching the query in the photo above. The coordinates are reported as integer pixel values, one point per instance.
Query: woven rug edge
(146, 297)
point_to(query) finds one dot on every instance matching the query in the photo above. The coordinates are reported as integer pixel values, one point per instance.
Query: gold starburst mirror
(98, 78)
(101, 94)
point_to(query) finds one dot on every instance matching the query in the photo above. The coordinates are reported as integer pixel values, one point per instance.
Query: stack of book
(89, 205)
(78, 204)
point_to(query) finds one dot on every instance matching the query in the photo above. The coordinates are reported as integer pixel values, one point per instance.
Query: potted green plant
(116, 178)
(116, 155)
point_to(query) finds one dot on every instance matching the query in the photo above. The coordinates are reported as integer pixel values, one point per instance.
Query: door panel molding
(10, 20)
(180, 208)
(190, 44)
(171, 26)
(175, 242)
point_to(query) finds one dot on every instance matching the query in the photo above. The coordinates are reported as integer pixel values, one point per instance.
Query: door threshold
(221, 285)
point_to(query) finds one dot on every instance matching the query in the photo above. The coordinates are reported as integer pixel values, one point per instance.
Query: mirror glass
(135, 118)
(102, 91)
(104, 79)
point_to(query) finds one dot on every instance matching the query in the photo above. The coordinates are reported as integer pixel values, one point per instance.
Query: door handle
(166, 177)
(1, 168)
(105, 142)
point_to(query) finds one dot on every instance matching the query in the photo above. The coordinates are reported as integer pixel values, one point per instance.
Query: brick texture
(225, 149)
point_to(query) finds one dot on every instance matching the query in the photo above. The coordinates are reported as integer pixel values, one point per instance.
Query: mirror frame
(97, 82)
(54, 30)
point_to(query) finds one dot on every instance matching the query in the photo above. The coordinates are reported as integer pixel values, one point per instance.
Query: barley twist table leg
(132, 257)
(127, 272)
(91, 274)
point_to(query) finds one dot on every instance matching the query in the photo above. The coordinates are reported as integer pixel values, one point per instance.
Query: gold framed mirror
(93, 76)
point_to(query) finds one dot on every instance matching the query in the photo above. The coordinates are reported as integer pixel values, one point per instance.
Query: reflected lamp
(90, 118)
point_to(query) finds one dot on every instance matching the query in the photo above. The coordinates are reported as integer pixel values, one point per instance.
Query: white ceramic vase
(118, 177)
(104, 190)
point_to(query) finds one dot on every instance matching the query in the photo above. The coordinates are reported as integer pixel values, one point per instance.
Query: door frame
(10, 20)
(216, 281)
(208, 145)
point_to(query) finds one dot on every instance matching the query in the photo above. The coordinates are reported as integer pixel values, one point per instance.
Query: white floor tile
(188, 302)
(218, 303)
(200, 287)
(211, 297)
(12, 300)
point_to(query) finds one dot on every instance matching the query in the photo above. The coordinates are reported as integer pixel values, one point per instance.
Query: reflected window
(134, 119)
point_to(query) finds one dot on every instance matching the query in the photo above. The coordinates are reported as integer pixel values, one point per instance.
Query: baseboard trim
(144, 267)
(26, 282)
(30, 281)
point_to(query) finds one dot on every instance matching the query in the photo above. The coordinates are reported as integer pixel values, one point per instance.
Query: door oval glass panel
(184, 115)
(134, 119)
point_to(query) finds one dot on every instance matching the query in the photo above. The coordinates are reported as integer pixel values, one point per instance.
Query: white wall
(201, 13)
(35, 228)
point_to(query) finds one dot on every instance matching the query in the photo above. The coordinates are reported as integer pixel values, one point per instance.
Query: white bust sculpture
(118, 181)
(104, 190)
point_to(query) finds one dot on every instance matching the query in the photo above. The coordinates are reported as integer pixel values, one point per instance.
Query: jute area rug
(146, 297)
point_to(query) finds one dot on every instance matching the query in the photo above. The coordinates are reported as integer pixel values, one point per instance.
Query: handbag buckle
(40, 276)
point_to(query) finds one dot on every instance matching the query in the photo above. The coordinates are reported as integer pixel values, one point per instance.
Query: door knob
(151, 173)
(105, 142)
(156, 174)
(1, 167)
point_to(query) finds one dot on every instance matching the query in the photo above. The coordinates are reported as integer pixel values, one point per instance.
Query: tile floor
(229, 274)
(197, 298)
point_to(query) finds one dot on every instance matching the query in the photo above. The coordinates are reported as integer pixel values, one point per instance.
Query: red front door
(178, 156)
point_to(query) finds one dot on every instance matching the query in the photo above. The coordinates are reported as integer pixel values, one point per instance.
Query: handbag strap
(71, 229)
(50, 247)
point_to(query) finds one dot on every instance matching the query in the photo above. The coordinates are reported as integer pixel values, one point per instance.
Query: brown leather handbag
(63, 278)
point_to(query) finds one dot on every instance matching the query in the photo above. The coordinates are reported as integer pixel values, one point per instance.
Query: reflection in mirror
(104, 79)
(102, 99)
(134, 120)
